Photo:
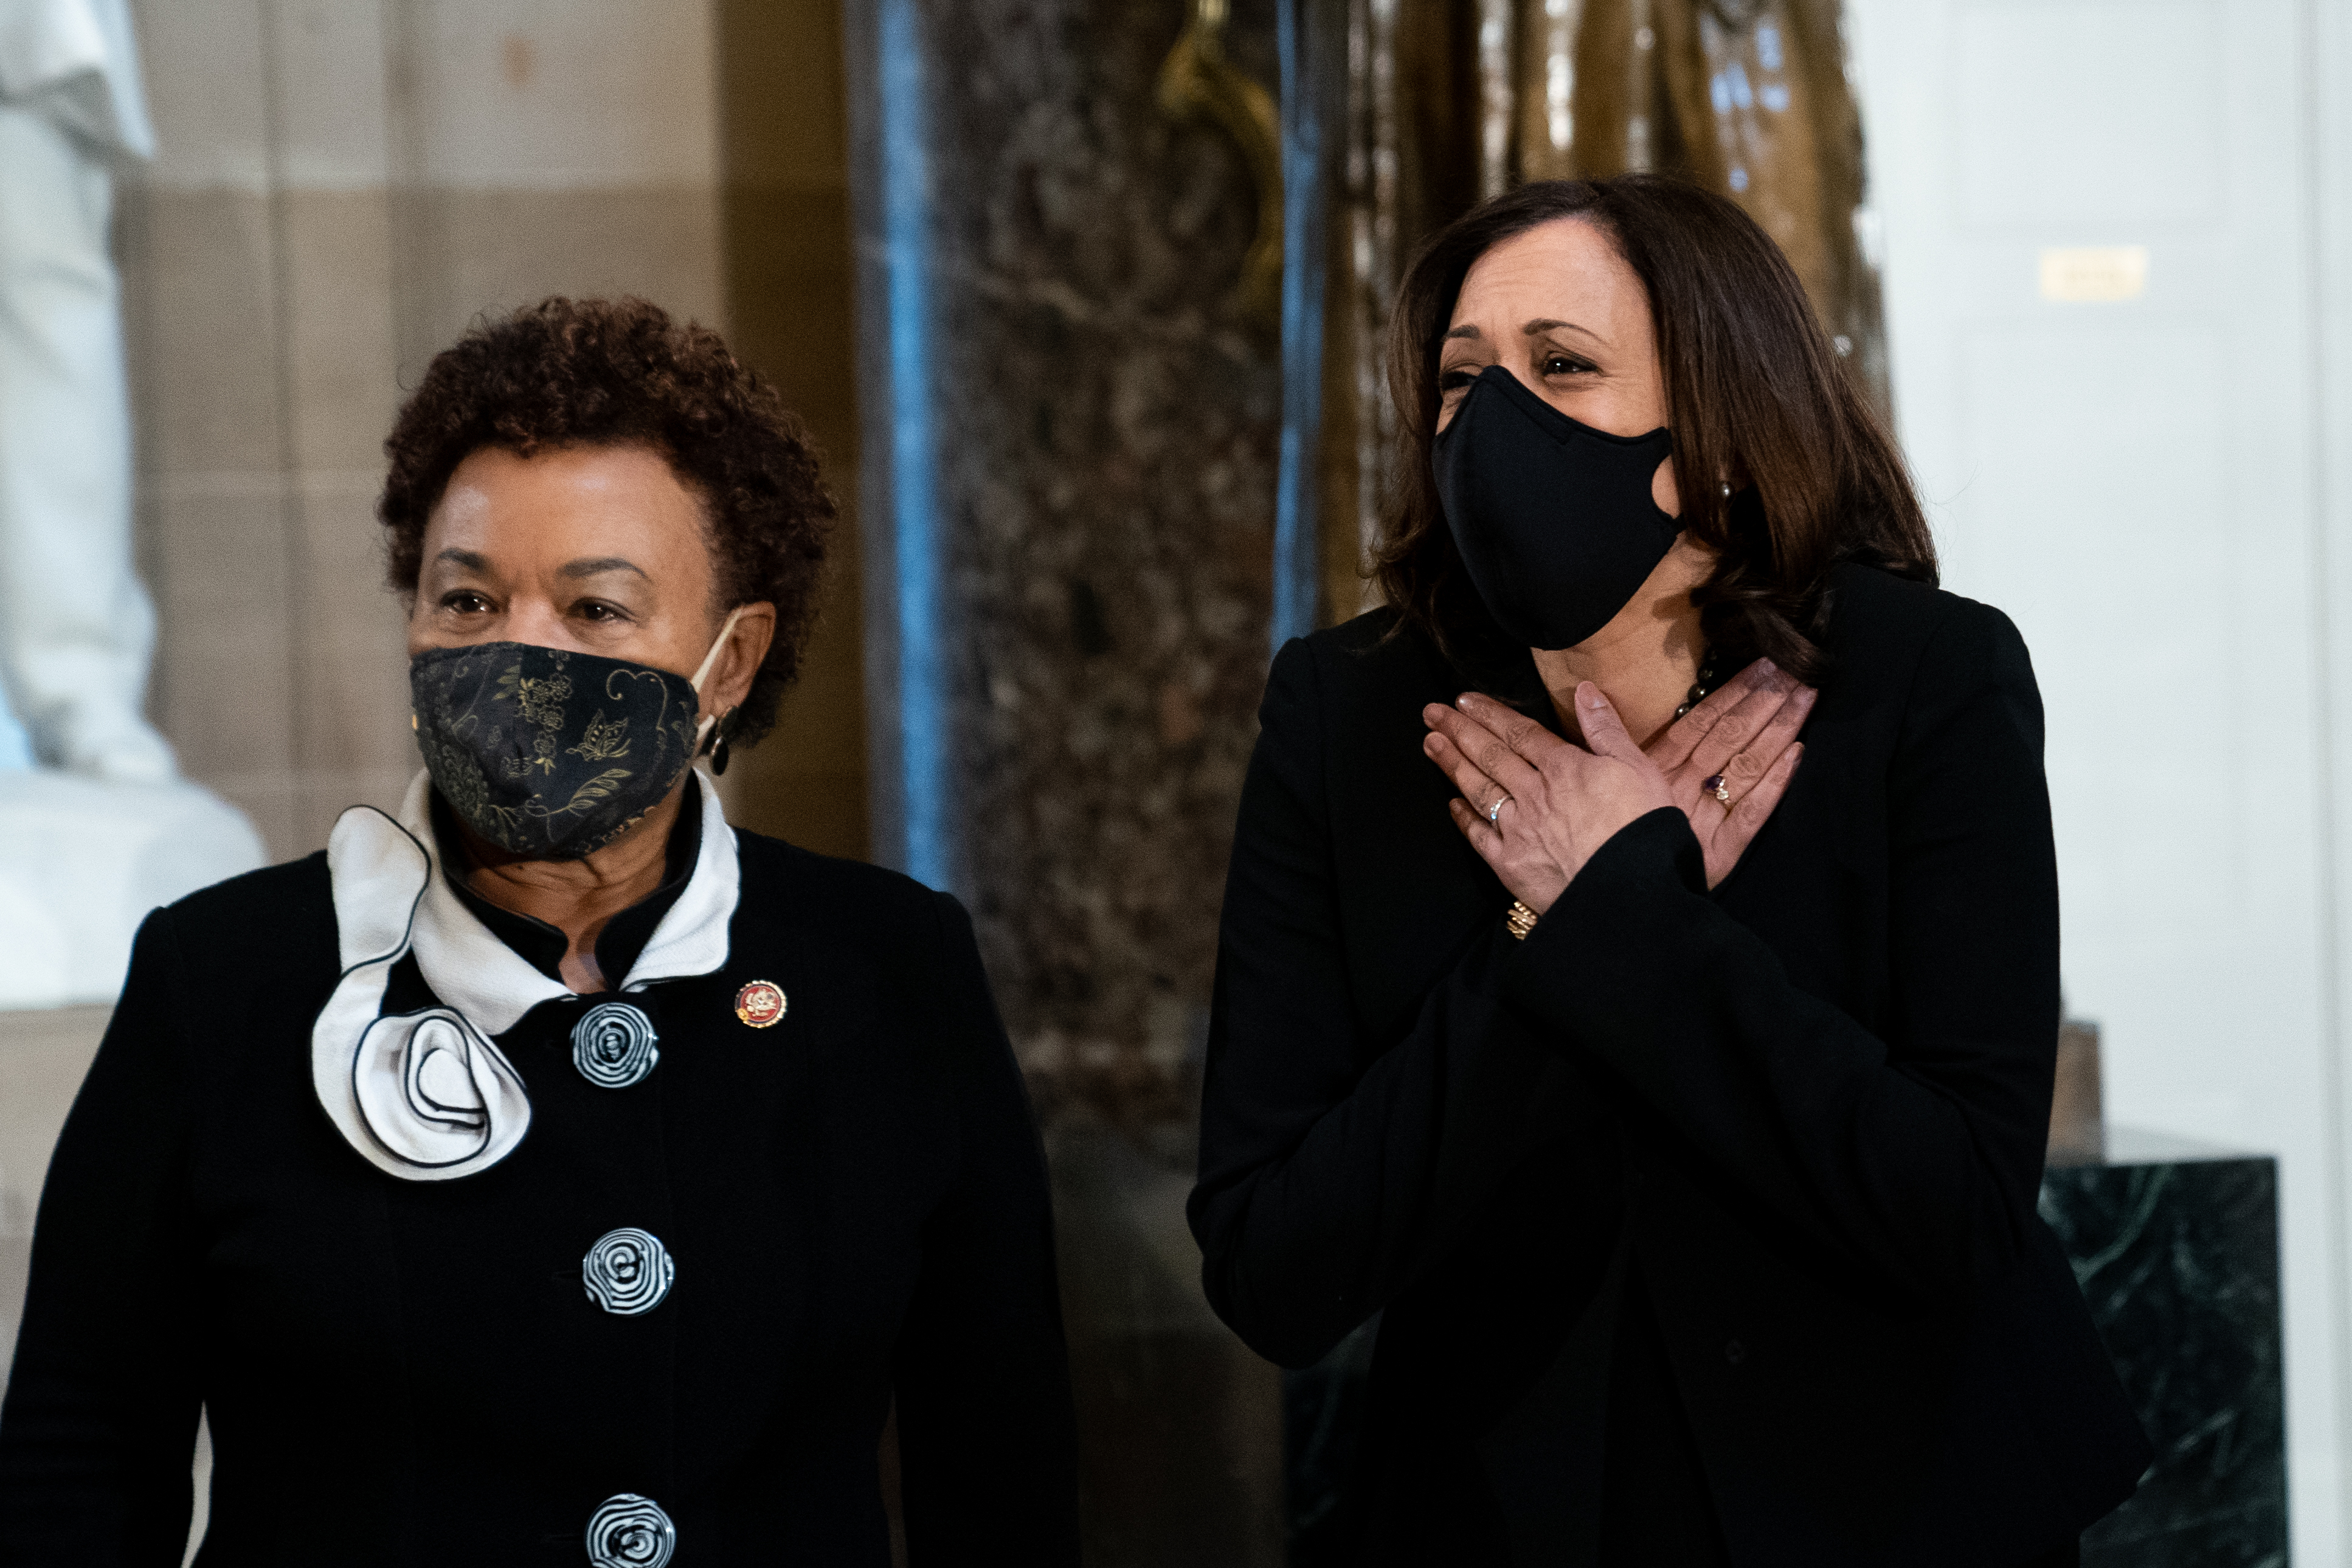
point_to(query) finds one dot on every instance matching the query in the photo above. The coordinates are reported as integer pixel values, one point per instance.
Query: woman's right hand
(1745, 734)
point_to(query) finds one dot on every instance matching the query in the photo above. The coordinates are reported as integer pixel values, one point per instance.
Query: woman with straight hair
(1639, 975)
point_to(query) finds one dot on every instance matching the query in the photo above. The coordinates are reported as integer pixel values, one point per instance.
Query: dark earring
(719, 749)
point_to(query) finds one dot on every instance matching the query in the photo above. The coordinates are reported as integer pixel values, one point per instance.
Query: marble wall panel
(2179, 1259)
(200, 325)
(474, 251)
(224, 660)
(330, 94)
(559, 94)
(337, 307)
(349, 714)
(207, 65)
(261, 339)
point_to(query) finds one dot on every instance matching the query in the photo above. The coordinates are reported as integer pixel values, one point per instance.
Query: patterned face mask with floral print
(552, 754)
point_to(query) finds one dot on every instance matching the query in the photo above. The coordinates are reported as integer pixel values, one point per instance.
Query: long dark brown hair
(1753, 388)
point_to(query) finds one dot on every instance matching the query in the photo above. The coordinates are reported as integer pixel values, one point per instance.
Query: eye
(1454, 380)
(598, 610)
(465, 601)
(1565, 365)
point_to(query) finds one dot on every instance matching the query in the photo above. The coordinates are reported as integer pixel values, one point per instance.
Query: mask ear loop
(703, 727)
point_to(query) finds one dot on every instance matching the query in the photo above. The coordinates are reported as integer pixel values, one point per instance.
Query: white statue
(95, 826)
(75, 628)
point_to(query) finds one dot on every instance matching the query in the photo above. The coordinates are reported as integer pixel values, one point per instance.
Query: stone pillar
(1071, 420)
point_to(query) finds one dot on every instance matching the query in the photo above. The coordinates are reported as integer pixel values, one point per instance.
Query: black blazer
(401, 1373)
(1804, 1113)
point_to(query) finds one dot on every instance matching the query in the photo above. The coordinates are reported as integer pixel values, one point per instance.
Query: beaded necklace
(1701, 687)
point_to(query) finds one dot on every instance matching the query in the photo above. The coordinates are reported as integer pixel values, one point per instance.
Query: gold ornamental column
(1452, 100)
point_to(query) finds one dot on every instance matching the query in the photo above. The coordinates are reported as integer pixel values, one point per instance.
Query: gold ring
(1717, 787)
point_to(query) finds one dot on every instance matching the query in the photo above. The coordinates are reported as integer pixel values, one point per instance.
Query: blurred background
(1082, 300)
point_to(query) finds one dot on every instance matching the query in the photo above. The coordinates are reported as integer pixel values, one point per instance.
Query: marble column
(1071, 433)
(1070, 426)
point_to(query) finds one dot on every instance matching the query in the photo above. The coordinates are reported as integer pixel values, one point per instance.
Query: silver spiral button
(613, 1045)
(627, 1272)
(630, 1532)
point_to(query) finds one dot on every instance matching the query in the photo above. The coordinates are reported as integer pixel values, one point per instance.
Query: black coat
(1803, 1116)
(403, 1372)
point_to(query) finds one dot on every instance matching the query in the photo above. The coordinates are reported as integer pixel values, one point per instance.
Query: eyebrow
(474, 560)
(1545, 324)
(599, 565)
(1540, 324)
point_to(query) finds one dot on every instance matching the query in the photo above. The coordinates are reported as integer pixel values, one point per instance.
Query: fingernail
(1766, 667)
(1464, 701)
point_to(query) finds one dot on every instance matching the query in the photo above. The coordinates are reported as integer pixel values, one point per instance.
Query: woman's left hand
(1558, 804)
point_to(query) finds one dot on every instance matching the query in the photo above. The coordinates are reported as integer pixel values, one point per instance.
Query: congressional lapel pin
(760, 1004)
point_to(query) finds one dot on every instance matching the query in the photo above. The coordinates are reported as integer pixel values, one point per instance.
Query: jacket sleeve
(1334, 1171)
(98, 1433)
(987, 1437)
(1915, 1155)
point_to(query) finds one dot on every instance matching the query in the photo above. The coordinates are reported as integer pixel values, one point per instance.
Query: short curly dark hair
(612, 373)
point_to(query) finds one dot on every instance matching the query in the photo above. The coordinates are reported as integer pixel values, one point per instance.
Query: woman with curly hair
(548, 1171)
(1638, 983)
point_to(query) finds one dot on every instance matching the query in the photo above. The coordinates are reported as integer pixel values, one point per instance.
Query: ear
(737, 664)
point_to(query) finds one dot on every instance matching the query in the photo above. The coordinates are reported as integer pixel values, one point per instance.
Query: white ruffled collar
(425, 1096)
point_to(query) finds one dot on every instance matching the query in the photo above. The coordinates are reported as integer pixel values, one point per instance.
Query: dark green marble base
(2176, 1247)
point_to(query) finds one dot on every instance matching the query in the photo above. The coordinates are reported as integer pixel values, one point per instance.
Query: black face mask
(547, 753)
(1553, 518)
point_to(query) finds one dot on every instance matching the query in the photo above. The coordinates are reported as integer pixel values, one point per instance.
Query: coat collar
(425, 1096)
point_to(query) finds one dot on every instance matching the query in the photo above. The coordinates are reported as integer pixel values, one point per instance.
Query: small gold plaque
(2094, 273)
